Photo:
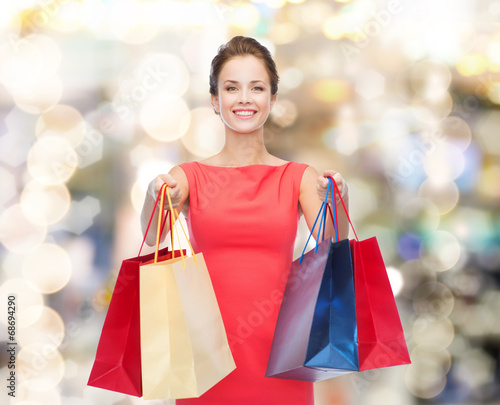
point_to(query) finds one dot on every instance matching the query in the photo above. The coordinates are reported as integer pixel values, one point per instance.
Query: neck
(244, 149)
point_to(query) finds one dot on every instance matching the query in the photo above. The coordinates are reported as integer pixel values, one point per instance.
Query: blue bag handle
(322, 214)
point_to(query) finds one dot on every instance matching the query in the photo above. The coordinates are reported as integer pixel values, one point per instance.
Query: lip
(245, 117)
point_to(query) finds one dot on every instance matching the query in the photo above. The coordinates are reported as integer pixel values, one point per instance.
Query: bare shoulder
(308, 179)
(178, 174)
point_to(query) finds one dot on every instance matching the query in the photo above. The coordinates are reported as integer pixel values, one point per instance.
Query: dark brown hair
(241, 46)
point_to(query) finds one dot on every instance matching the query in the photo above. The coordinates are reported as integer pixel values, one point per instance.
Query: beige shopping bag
(184, 348)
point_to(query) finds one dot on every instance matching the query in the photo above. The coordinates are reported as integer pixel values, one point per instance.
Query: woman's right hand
(173, 189)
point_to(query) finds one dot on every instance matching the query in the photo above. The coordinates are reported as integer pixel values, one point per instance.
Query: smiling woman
(244, 98)
(242, 207)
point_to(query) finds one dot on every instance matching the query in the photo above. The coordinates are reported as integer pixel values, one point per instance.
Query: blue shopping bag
(316, 334)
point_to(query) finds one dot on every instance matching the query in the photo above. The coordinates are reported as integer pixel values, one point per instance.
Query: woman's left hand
(322, 185)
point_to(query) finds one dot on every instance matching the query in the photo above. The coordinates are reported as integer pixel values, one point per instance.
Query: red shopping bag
(117, 365)
(381, 340)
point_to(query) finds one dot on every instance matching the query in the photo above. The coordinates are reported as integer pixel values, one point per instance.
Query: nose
(245, 96)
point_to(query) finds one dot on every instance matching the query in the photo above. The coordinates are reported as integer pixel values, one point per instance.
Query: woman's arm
(179, 191)
(312, 193)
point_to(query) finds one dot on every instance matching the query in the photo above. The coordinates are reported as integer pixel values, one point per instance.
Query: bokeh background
(97, 97)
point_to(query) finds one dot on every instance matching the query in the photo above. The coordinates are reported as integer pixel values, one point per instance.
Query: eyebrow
(237, 82)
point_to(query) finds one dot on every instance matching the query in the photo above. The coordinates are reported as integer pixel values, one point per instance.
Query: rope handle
(322, 214)
(163, 191)
(151, 220)
(345, 209)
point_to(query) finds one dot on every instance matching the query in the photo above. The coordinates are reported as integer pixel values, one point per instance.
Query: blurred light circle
(45, 204)
(494, 48)
(409, 246)
(165, 120)
(205, 136)
(162, 76)
(48, 268)
(130, 23)
(494, 92)
(291, 78)
(61, 120)
(444, 163)
(244, 15)
(274, 3)
(46, 328)
(284, 112)
(481, 366)
(140, 154)
(432, 111)
(363, 201)
(68, 17)
(396, 280)
(488, 185)
(51, 54)
(44, 94)
(429, 330)
(426, 376)
(21, 64)
(474, 228)
(41, 365)
(456, 131)
(137, 194)
(52, 160)
(444, 195)
(9, 18)
(148, 170)
(311, 15)
(419, 215)
(331, 90)
(472, 64)
(9, 189)
(28, 299)
(487, 132)
(430, 79)
(17, 233)
(415, 272)
(433, 299)
(284, 33)
(335, 27)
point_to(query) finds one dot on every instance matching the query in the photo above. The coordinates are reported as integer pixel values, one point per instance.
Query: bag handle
(149, 223)
(322, 225)
(163, 191)
(345, 209)
(333, 189)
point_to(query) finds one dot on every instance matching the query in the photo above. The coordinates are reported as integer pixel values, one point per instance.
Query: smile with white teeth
(244, 113)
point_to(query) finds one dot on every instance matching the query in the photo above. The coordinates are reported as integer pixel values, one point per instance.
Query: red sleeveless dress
(244, 220)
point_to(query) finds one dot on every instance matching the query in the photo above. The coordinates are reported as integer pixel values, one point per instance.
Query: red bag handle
(164, 220)
(343, 205)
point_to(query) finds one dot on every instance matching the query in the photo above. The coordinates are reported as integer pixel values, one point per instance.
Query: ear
(215, 103)
(273, 100)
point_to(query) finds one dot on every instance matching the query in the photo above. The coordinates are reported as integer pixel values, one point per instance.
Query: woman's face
(244, 94)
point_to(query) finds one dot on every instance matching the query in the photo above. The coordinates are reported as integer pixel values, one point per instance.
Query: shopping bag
(315, 334)
(117, 364)
(379, 336)
(381, 340)
(184, 345)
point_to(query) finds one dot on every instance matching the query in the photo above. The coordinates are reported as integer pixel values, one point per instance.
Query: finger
(322, 183)
(166, 178)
